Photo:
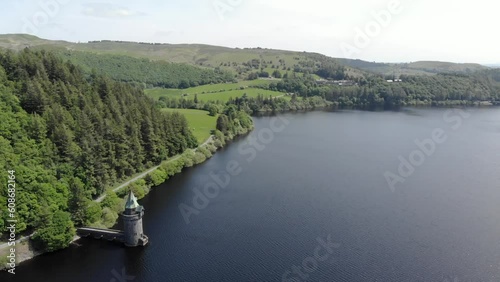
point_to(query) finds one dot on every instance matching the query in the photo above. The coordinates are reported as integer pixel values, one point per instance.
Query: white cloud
(107, 10)
(459, 31)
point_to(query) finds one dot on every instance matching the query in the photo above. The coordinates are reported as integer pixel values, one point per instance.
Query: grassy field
(250, 92)
(199, 122)
(158, 92)
(219, 96)
(221, 92)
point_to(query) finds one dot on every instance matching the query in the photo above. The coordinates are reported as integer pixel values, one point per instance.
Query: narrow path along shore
(143, 174)
(121, 186)
(22, 239)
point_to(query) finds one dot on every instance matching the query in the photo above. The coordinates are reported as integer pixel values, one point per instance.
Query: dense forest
(69, 136)
(146, 72)
(374, 91)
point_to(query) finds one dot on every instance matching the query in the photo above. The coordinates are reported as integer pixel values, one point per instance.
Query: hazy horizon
(383, 30)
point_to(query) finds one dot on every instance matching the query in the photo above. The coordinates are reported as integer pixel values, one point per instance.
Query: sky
(376, 30)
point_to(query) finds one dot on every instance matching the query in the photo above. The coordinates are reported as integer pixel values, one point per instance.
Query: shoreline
(143, 174)
(24, 248)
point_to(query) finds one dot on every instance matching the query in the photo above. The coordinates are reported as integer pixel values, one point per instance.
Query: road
(143, 174)
(5, 245)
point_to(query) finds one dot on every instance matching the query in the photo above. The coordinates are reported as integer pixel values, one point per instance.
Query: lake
(412, 195)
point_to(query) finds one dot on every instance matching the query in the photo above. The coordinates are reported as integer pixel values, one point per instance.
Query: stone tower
(132, 223)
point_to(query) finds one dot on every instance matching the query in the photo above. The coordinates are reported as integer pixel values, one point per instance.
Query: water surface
(321, 176)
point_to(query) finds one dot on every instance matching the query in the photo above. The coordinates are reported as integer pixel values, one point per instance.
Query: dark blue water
(319, 178)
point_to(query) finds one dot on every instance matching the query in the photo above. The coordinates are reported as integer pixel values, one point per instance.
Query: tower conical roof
(131, 201)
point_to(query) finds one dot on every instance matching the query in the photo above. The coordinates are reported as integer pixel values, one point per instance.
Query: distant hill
(495, 66)
(415, 68)
(21, 41)
(240, 61)
(439, 67)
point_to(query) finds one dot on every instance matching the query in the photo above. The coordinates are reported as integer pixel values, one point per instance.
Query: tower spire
(131, 203)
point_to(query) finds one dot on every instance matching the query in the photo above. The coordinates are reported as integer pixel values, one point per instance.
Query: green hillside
(187, 66)
(149, 73)
(240, 61)
(415, 68)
